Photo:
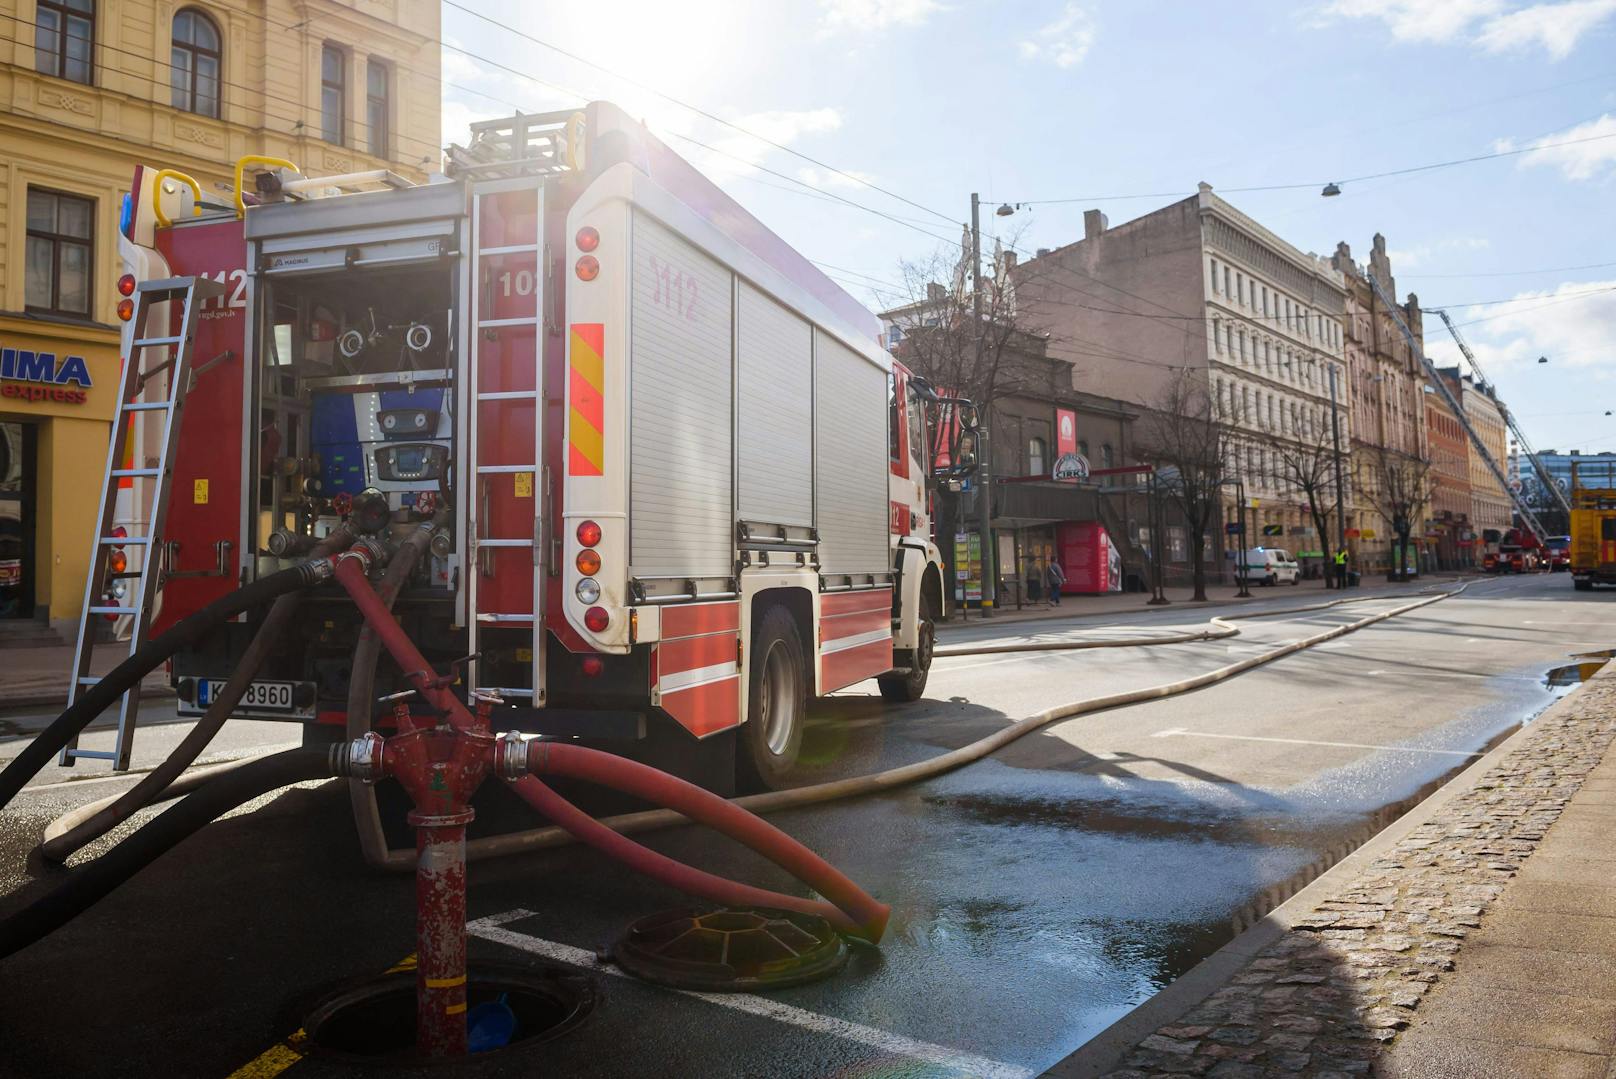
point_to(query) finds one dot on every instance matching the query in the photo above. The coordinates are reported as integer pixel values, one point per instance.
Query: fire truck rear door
(502, 480)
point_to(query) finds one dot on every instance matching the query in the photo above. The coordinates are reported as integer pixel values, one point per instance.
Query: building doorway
(17, 561)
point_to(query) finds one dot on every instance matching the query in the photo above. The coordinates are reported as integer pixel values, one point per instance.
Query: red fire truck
(681, 486)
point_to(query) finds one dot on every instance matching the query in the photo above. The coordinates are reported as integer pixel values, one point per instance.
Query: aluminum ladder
(133, 401)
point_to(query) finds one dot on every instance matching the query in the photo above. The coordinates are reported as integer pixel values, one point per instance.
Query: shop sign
(1071, 468)
(1365, 533)
(28, 375)
(1352, 533)
(1273, 530)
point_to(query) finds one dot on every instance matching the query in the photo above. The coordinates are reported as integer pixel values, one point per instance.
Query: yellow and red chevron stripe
(586, 403)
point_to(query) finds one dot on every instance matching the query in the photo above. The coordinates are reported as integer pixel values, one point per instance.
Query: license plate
(260, 696)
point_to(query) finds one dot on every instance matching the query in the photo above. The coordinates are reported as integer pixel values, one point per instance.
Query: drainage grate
(735, 950)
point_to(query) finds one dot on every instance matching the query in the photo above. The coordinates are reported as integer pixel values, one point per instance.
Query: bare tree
(1188, 445)
(941, 338)
(1399, 486)
(1305, 469)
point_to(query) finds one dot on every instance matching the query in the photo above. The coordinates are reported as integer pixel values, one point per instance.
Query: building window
(1037, 457)
(1108, 457)
(1214, 264)
(61, 230)
(333, 94)
(64, 38)
(193, 71)
(1083, 448)
(376, 107)
(1226, 291)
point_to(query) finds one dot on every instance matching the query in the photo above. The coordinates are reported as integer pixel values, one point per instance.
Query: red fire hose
(850, 908)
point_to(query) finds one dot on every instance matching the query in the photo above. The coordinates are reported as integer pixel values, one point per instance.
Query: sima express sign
(28, 375)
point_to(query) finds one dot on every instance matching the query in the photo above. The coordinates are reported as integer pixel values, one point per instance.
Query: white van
(1270, 565)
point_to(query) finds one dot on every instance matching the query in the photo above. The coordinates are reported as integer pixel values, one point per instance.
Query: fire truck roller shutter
(681, 389)
(776, 423)
(850, 408)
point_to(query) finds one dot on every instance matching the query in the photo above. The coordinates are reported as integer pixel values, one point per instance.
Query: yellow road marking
(277, 1058)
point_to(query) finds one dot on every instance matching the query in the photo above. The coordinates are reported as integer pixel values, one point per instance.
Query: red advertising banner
(1065, 431)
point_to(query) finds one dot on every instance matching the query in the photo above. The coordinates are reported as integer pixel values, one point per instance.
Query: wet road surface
(1038, 895)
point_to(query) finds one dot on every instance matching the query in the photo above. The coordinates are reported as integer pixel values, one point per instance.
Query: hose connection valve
(359, 759)
(510, 756)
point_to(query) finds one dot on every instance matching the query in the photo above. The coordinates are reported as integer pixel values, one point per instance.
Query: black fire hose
(105, 693)
(98, 822)
(88, 884)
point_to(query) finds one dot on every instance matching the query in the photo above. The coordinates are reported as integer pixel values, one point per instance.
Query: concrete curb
(1106, 1051)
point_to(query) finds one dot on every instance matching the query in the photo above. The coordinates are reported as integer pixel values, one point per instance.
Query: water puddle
(1574, 674)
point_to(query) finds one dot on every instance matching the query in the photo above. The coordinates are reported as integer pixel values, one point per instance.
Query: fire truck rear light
(589, 534)
(126, 310)
(119, 532)
(597, 619)
(126, 285)
(588, 268)
(588, 562)
(588, 239)
(587, 590)
(117, 561)
(592, 666)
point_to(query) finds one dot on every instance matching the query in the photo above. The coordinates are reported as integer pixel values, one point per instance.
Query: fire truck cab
(681, 490)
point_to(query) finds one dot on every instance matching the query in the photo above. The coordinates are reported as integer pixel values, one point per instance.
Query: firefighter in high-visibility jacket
(1341, 569)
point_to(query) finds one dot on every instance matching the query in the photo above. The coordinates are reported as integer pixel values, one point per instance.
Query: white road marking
(492, 928)
(1377, 670)
(1177, 731)
(1565, 622)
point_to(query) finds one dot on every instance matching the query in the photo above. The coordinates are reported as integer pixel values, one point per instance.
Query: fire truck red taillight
(588, 267)
(592, 666)
(587, 239)
(589, 534)
(126, 310)
(597, 619)
(119, 532)
(126, 285)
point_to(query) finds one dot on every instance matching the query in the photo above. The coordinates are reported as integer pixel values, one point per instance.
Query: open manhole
(506, 1008)
(733, 950)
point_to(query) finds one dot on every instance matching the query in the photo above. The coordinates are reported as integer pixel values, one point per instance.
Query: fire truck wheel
(777, 703)
(910, 685)
(1583, 586)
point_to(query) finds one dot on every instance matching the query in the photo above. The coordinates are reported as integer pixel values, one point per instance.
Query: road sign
(1232, 528)
(1273, 530)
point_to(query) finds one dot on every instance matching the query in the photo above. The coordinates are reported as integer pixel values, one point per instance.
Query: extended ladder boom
(1458, 410)
(1509, 418)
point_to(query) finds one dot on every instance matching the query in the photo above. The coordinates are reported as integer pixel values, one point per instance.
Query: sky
(905, 107)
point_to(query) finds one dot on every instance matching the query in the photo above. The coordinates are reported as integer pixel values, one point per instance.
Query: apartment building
(90, 89)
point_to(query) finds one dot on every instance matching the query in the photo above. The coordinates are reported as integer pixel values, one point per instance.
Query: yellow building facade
(88, 90)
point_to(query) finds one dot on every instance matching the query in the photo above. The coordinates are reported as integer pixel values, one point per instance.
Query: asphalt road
(1038, 895)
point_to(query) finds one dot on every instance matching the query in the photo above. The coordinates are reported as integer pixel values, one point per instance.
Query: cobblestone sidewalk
(1327, 997)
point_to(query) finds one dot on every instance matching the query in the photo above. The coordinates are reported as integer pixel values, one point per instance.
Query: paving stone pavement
(1328, 998)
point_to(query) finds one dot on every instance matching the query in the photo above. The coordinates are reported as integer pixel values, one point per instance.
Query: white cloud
(1418, 20)
(1589, 150)
(1571, 330)
(870, 16)
(1063, 42)
(738, 153)
(1492, 25)
(845, 178)
(1554, 27)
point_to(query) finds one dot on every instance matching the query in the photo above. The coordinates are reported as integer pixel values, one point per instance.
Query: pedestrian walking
(1054, 577)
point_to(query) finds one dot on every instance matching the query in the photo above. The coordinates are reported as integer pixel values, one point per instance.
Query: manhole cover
(374, 1021)
(736, 950)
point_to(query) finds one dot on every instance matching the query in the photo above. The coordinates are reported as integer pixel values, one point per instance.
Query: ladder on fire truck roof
(133, 401)
(1454, 403)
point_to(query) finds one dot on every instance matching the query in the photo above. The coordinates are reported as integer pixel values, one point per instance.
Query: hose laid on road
(105, 693)
(89, 883)
(858, 786)
(71, 831)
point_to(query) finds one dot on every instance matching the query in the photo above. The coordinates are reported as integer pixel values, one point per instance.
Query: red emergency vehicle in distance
(686, 491)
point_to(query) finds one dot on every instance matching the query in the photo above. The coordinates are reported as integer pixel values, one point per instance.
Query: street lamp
(1335, 439)
(1240, 568)
(1331, 190)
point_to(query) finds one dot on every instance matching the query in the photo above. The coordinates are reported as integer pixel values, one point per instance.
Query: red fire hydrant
(440, 767)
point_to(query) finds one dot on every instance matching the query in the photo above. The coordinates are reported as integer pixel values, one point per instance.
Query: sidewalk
(1218, 595)
(37, 677)
(1476, 936)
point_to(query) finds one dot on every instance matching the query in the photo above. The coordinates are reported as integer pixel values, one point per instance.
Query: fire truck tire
(911, 684)
(1583, 586)
(777, 703)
